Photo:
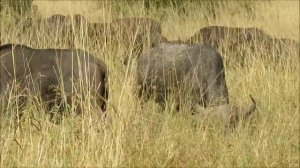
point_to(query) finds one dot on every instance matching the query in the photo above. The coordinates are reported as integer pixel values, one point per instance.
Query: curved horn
(251, 109)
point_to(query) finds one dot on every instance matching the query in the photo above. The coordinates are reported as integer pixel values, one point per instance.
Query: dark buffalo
(236, 41)
(44, 70)
(99, 32)
(193, 73)
(80, 25)
(58, 29)
(138, 33)
(242, 42)
(58, 24)
(26, 24)
(217, 35)
(80, 20)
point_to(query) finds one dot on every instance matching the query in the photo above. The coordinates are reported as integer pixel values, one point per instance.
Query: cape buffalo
(58, 24)
(241, 42)
(58, 28)
(193, 73)
(216, 35)
(236, 40)
(26, 24)
(45, 70)
(80, 24)
(99, 32)
(79, 19)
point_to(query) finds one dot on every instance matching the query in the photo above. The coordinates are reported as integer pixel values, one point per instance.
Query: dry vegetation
(137, 134)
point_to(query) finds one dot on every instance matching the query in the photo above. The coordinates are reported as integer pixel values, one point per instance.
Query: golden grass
(142, 134)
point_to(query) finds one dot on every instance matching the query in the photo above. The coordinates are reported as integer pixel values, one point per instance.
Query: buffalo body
(52, 72)
(197, 68)
(217, 35)
(239, 43)
(194, 73)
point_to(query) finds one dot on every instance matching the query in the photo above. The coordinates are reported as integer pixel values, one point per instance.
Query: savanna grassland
(136, 134)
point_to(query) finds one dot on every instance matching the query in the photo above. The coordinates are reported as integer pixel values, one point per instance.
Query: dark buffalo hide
(57, 24)
(79, 19)
(53, 72)
(79, 26)
(57, 29)
(193, 73)
(66, 29)
(216, 35)
(99, 32)
(240, 42)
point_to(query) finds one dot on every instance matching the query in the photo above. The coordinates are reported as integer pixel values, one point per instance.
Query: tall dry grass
(137, 134)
